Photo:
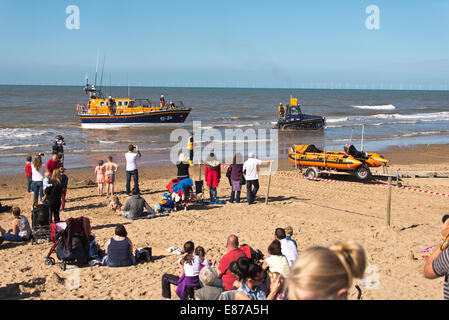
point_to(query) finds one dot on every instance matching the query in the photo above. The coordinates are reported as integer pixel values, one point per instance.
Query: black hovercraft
(292, 118)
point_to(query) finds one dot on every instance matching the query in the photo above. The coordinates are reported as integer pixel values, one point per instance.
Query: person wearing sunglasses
(253, 277)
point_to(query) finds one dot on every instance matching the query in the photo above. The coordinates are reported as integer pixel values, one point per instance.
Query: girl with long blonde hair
(326, 273)
(37, 177)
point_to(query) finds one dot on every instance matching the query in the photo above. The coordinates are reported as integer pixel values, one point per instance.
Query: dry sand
(319, 212)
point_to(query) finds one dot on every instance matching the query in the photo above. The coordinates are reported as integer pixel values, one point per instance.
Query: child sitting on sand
(200, 252)
(289, 234)
(99, 171)
(115, 204)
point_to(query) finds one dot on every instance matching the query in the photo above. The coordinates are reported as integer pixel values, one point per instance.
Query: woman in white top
(37, 176)
(187, 278)
(20, 231)
(276, 262)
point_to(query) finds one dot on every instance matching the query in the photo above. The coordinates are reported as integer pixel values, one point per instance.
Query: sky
(232, 43)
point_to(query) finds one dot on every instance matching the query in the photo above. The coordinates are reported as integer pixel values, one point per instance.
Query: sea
(31, 116)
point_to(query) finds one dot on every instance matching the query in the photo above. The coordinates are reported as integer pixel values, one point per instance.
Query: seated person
(21, 230)
(252, 278)
(187, 277)
(119, 249)
(134, 207)
(115, 204)
(276, 262)
(352, 151)
(208, 276)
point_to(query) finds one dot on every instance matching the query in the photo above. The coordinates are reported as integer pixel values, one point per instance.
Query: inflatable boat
(312, 159)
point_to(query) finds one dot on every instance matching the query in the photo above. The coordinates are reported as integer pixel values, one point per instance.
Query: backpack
(251, 253)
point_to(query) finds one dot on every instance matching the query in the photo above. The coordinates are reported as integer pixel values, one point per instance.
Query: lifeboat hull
(149, 118)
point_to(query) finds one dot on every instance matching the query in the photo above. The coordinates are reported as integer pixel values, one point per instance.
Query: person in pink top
(99, 171)
(110, 168)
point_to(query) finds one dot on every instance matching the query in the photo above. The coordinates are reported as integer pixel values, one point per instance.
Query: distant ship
(103, 112)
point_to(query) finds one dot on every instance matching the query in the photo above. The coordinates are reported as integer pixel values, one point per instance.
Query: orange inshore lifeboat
(313, 159)
(309, 155)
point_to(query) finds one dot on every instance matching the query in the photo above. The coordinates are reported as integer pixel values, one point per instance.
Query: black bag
(242, 181)
(79, 251)
(41, 216)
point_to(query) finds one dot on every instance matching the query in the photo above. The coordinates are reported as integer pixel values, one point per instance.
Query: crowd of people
(319, 273)
(241, 274)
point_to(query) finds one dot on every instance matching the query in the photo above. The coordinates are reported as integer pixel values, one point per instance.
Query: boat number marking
(166, 118)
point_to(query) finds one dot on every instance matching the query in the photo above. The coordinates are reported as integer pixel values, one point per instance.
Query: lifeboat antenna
(101, 81)
(96, 68)
(363, 129)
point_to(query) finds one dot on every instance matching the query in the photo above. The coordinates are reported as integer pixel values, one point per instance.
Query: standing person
(110, 168)
(212, 174)
(37, 175)
(53, 163)
(64, 182)
(326, 273)
(58, 147)
(99, 171)
(162, 101)
(187, 277)
(190, 148)
(183, 167)
(251, 171)
(288, 247)
(54, 194)
(131, 167)
(235, 173)
(437, 265)
(232, 244)
(28, 173)
(20, 231)
(281, 111)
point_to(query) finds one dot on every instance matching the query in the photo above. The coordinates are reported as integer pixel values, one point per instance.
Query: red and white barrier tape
(288, 174)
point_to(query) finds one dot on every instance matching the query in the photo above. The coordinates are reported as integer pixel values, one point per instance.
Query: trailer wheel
(362, 173)
(311, 173)
(49, 261)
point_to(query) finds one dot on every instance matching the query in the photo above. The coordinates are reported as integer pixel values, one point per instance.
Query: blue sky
(290, 43)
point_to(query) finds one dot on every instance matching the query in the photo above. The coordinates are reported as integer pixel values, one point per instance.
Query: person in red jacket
(212, 175)
(28, 173)
(53, 163)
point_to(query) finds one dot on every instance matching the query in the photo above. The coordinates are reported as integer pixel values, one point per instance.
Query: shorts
(110, 178)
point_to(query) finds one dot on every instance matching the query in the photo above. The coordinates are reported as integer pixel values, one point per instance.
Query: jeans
(29, 182)
(237, 199)
(130, 262)
(135, 174)
(252, 186)
(11, 237)
(37, 187)
(213, 194)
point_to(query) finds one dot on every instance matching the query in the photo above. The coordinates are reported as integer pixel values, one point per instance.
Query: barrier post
(389, 202)
(269, 183)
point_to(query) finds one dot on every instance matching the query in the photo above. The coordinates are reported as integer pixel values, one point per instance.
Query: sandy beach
(320, 213)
